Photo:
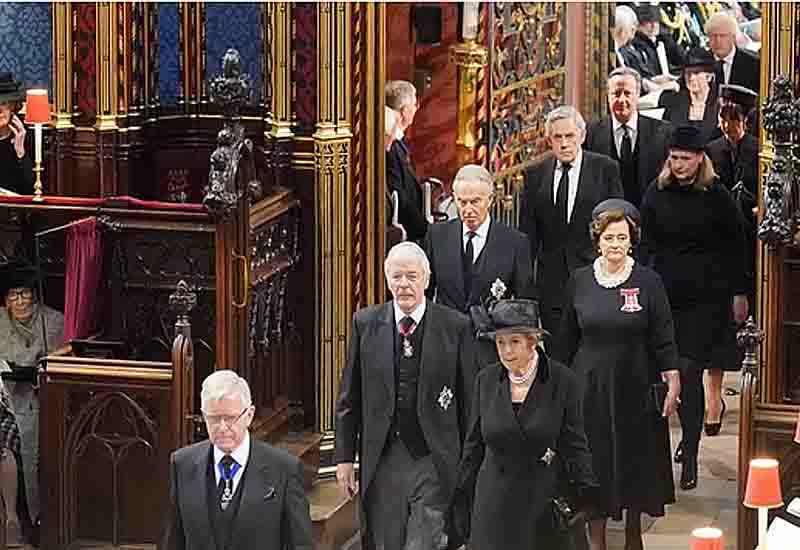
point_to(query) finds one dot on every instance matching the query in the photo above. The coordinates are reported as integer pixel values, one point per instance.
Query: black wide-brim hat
(648, 13)
(506, 315)
(10, 89)
(700, 58)
(17, 274)
(687, 138)
(740, 95)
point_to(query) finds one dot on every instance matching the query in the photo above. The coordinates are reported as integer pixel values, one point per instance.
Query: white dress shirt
(727, 65)
(417, 314)
(574, 176)
(478, 241)
(632, 124)
(240, 455)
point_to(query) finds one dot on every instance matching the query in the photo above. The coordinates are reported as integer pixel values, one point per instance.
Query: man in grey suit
(234, 492)
(404, 406)
(560, 192)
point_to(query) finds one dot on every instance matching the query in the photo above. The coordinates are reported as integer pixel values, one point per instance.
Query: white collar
(482, 231)
(729, 58)
(240, 454)
(575, 163)
(399, 134)
(417, 314)
(632, 124)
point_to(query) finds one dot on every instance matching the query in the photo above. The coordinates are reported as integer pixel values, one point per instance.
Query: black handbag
(565, 507)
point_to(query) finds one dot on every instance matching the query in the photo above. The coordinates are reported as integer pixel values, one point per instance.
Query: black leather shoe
(689, 473)
(678, 458)
(713, 428)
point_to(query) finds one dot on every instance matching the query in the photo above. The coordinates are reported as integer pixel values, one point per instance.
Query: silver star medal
(548, 456)
(445, 398)
(408, 349)
(227, 494)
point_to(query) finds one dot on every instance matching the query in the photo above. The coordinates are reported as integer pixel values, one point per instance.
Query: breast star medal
(445, 398)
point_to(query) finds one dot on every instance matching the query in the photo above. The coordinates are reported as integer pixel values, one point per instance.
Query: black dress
(17, 174)
(502, 472)
(618, 354)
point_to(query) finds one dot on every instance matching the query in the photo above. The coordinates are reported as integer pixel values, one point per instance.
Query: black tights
(693, 403)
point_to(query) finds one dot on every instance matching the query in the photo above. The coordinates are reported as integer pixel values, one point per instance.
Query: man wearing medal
(234, 492)
(404, 405)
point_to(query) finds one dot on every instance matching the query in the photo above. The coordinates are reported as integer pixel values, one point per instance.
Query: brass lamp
(37, 112)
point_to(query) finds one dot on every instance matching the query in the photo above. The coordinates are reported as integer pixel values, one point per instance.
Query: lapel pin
(270, 493)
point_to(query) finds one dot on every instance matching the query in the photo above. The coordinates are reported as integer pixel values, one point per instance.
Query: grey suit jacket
(273, 513)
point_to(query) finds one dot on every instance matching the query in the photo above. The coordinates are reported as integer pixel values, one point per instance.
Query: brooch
(631, 296)
(445, 398)
(548, 456)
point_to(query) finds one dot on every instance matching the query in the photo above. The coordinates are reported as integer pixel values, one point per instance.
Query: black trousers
(693, 403)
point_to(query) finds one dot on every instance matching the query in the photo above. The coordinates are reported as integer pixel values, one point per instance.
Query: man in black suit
(560, 192)
(637, 143)
(469, 254)
(625, 23)
(735, 66)
(400, 176)
(234, 492)
(403, 407)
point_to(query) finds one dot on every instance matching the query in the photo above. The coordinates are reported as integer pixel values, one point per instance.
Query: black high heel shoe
(678, 458)
(689, 473)
(714, 428)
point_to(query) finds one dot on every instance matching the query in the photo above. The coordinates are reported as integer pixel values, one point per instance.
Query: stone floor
(713, 503)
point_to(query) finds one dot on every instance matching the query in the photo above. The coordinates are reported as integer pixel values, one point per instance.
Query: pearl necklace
(608, 280)
(520, 380)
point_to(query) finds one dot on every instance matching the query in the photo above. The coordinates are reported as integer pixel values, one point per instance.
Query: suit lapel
(254, 487)
(452, 257)
(611, 145)
(430, 341)
(384, 340)
(199, 492)
(547, 198)
(580, 194)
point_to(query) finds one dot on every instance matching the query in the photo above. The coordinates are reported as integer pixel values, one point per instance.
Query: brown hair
(603, 220)
(702, 181)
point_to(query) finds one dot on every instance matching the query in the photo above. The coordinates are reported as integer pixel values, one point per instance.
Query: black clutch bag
(657, 394)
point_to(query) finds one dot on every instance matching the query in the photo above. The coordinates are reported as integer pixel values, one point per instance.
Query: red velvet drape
(82, 278)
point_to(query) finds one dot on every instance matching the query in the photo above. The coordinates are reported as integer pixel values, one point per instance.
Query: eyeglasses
(229, 420)
(19, 294)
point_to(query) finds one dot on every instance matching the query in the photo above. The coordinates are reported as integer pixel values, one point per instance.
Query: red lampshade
(797, 430)
(707, 538)
(763, 484)
(37, 107)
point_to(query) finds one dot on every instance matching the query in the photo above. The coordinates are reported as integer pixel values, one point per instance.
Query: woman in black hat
(617, 335)
(693, 236)
(526, 438)
(696, 100)
(15, 162)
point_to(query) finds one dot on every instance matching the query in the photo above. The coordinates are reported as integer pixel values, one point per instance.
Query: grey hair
(406, 249)
(563, 113)
(474, 173)
(626, 71)
(224, 383)
(399, 93)
(390, 120)
(625, 16)
(722, 19)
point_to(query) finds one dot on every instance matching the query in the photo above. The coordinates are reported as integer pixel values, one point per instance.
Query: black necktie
(225, 486)
(562, 194)
(469, 259)
(625, 149)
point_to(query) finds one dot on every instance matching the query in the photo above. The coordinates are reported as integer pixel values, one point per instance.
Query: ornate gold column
(62, 65)
(107, 60)
(471, 59)
(193, 60)
(333, 188)
(280, 15)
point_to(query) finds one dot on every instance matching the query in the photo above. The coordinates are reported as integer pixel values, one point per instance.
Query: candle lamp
(37, 112)
(707, 538)
(763, 492)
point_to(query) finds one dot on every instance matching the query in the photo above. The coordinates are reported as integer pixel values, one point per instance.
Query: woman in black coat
(526, 439)
(695, 102)
(693, 237)
(617, 335)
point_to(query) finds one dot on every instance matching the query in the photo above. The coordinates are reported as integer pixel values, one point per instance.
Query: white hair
(563, 113)
(224, 383)
(625, 17)
(406, 250)
(474, 173)
(399, 93)
(722, 19)
(390, 120)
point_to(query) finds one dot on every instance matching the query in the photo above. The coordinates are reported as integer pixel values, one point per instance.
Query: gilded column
(280, 16)
(108, 45)
(193, 58)
(62, 65)
(471, 58)
(333, 187)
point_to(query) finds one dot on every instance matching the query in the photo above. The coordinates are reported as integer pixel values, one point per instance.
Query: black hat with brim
(687, 138)
(10, 89)
(648, 13)
(616, 204)
(700, 58)
(17, 274)
(506, 316)
(740, 95)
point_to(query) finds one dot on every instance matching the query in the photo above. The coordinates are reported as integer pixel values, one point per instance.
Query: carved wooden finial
(750, 337)
(183, 300)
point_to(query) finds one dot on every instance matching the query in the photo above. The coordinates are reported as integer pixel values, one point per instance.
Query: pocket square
(269, 493)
